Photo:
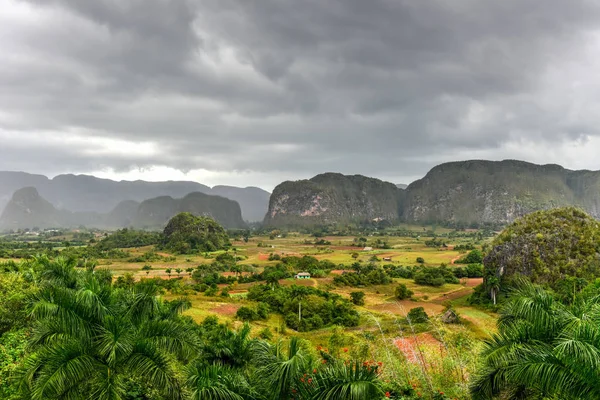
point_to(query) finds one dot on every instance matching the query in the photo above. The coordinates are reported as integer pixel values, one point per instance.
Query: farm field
(381, 309)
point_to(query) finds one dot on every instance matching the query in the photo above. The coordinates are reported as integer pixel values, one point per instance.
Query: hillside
(477, 192)
(333, 198)
(84, 193)
(27, 209)
(253, 201)
(156, 213)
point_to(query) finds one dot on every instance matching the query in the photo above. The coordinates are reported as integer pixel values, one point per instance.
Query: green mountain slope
(479, 192)
(156, 213)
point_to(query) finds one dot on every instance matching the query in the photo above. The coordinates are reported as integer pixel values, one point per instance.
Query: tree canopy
(186, 234)
(546, 247)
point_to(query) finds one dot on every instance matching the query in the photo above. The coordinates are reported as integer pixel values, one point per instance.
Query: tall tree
(90, 339)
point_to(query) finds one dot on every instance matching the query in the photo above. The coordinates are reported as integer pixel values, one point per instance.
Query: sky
(255, 92)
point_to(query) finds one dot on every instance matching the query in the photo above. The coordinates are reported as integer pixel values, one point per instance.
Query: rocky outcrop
(488, 192)
(333, 198)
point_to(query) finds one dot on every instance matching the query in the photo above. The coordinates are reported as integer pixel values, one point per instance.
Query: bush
(246, 314)
(417, 315)
(402, 292)
(474, 257)
(420, 260)
(435, 276)
(358, 298)
(265, 334)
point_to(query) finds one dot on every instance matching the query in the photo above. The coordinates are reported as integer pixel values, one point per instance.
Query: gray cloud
(292, 88)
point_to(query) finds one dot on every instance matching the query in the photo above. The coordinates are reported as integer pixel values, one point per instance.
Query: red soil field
(409, 345)
(226, 309)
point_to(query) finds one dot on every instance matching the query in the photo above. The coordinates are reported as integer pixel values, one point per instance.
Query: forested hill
(468, 193)
(84, 193)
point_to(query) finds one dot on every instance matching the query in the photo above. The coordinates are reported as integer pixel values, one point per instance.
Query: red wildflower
(345, 349)
(387, 394)
(324, 361)
(309, 380)
(314, 371)
(380, 363)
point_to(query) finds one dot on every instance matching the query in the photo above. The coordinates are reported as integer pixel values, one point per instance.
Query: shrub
(474, 257)
(417, 315)
(402, 292)
(246, 314)
(435, 276)
(265, 334)
(420, 260)
(358, 298)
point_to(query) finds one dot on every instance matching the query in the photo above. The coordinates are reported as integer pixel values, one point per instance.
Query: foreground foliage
(544, 349)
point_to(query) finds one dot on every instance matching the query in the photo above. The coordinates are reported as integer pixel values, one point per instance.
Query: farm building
(302, 275)
(368, 249)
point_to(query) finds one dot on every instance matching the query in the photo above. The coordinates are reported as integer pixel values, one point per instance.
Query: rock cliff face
(468, 193)
(156, 213)
(333, 198)
(479, 192)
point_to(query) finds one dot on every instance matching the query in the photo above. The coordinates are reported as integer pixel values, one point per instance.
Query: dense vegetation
(188, 234)
(126, 238)
(543, 348)
(89, 338)
(306, 308)
(546, 247)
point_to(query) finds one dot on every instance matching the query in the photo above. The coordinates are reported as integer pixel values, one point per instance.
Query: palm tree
(354, 380)
(281, 369)
(543, 348)
(89, 340)
(217, 382)
(233, 348)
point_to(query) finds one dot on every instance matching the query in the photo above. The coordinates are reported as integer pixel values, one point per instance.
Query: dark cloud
(292, 88)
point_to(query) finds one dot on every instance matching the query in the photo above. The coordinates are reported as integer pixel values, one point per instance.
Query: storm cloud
(253, 92)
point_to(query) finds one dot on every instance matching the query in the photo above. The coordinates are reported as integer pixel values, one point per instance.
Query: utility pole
(299, 311)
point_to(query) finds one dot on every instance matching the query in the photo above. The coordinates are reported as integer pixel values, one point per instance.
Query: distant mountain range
(84, 193)
(28, 209)
(467, 193)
